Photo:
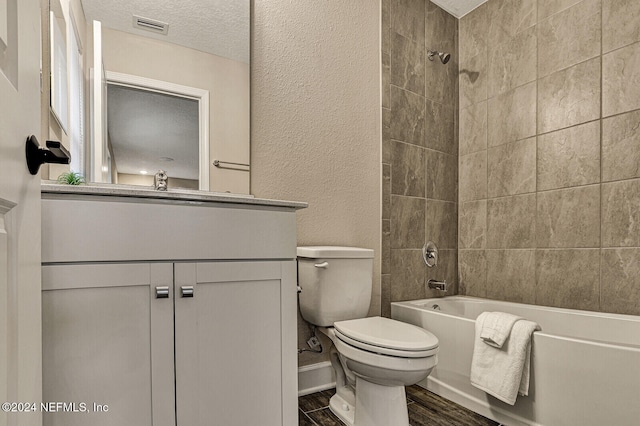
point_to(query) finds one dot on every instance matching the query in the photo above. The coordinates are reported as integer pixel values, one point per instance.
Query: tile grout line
(315, 409)
(601, 154)
(309, 418)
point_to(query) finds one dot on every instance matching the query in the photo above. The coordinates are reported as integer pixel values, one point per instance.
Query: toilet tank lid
(334, 252)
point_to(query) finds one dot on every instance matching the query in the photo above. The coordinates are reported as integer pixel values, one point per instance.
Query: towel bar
(219, 165)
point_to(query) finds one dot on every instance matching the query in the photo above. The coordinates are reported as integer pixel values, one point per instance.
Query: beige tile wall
(549, 154)
(419, 148)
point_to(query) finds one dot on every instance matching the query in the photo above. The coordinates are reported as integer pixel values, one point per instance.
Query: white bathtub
(585, 366)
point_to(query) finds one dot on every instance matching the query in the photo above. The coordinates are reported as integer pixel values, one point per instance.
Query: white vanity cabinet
(169, 312)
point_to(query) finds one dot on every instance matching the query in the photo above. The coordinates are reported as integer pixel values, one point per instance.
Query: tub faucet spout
(437, 285)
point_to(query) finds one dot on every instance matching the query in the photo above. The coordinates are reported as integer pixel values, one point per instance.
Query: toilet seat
(387, 337)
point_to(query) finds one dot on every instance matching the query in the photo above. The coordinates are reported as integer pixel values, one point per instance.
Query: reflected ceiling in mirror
(219, 27)
(140, 119)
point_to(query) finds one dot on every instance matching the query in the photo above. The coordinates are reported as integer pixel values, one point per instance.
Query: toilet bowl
(373, 358)
(378, 358)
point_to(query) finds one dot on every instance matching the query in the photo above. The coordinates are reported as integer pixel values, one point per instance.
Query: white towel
(503, 372)
(497, 327)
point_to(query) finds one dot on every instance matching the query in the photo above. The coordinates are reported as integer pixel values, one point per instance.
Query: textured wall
(550, 153)
(315, 121)
(419, 148)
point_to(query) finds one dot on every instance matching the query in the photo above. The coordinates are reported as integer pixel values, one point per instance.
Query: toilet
(374, 358)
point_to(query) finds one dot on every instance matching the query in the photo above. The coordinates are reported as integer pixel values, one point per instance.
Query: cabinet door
(108, 340)
(236, 361)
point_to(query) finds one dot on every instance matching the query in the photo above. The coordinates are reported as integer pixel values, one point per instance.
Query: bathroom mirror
(166, 86)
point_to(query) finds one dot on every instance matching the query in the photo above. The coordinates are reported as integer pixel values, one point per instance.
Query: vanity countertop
(51, 187)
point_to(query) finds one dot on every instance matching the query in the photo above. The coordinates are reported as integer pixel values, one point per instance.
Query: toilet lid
(387, 333)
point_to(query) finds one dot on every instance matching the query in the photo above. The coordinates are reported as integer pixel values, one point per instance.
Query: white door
(20, 326)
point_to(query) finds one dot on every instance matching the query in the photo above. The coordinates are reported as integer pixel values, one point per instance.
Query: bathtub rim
(414, 304)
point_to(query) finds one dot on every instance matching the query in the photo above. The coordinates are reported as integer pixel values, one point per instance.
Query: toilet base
(342, 409)
(376, 405)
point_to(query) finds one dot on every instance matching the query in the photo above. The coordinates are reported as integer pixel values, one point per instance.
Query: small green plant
(71, 178)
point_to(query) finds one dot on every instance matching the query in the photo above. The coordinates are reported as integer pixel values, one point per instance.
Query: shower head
(444, 57)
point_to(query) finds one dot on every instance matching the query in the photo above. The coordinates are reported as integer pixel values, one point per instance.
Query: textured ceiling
(146, 126)
(458, 8)
(220, 27)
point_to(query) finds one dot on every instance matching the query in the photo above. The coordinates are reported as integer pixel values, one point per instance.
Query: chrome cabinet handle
(321, 265)
(186, 291)
(162, 292)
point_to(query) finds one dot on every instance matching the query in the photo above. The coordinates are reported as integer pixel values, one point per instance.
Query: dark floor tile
(325, 418)
(422, 416)
(425, 408)
(316, 400)
(304, 420)
(429, 408)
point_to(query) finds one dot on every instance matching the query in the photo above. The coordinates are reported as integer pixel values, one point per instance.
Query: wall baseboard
(315, 378)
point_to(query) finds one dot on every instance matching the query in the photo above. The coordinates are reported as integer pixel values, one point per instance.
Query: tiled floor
(425, 408)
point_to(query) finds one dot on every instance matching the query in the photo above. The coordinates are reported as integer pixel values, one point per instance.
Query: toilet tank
(335, 282)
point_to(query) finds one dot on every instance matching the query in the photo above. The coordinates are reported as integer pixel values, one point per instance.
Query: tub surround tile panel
(473, 33)
(547, 8)
(407, 64)
(549, 153)
(407, 275)
(512, 115)
(385, 295)
(408, 18)
(621, 214)
(441, 30)
(420, 143)
(386, 191)
(621, 80)
(569, 157)
(407, 222)
(568, 278)
(621, 281)
(442, 176)
(507, 18)
(569, 97)
(569, 37)
(407, 169)
(441, 81)
(569, 217)
(446, 270)
(473, 128)
(512, 63)
(621, 146)
(472, 273)
(386, 136)
(385, 21)
(473, 80)
(511, 275)
(473, 176)
(472, 225)
(440, 127)
(511, 222)
(441, 223)
(386, 80)
(407, 120)
(512, 168)
(619, 23)
(386, 247)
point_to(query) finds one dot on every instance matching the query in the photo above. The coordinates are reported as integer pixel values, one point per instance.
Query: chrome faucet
(160, 180)
(437, 285)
